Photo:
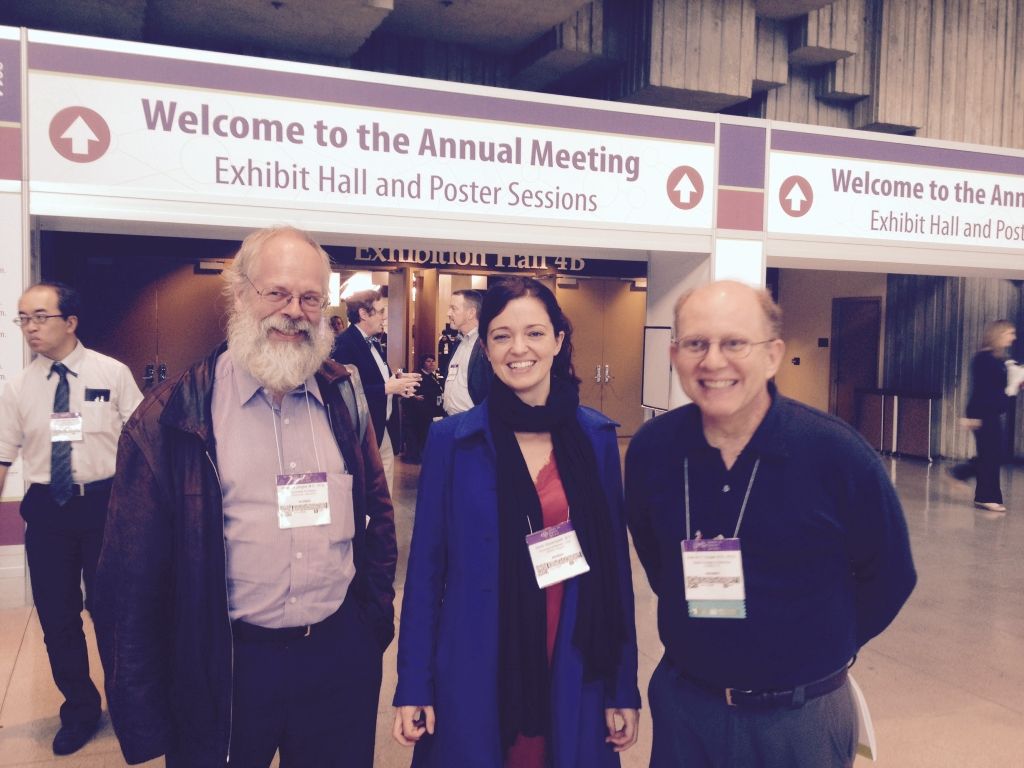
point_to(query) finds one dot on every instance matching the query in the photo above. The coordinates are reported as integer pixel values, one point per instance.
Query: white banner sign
(823, 196)
(11, 344)
(184, 144)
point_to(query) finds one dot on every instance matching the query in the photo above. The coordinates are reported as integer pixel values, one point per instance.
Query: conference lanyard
(713, 568)
(302, 498)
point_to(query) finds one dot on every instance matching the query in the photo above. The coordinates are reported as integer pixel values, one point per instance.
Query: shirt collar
(247, 386)
(73, 361)
(767, 440)
(470, 335)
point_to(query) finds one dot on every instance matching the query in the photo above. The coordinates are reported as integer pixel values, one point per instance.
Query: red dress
(531, 751)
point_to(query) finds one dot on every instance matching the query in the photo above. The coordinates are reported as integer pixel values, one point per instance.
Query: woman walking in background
(517, 646)
(988, 402)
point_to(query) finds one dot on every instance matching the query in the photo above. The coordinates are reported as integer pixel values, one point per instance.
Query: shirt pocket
(96, 416)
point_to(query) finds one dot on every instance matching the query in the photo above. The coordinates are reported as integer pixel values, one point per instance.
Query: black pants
(987, 465)
(62, 545)
(314, 698)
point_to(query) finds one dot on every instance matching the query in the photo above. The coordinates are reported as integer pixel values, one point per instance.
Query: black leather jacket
(161, 604)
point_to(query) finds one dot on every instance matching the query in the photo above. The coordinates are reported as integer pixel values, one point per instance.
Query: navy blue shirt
(826, 555)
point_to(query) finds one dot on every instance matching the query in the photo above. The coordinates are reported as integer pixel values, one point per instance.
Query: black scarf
(599, 634)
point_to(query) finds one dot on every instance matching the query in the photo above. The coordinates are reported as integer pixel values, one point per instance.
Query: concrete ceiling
(788, 9)
(330, 31)
(497, 25)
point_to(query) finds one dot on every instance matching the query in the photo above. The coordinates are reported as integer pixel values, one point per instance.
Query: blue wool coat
(448, 638)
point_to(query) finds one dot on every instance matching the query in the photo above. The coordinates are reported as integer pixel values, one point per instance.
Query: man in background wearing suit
(358, 346)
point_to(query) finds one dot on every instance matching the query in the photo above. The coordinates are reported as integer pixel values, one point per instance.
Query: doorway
(144, 301)
(856, 335)
(607, 317)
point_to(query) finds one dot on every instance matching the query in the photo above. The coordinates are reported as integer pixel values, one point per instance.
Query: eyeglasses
(310, 302)
(697, 348)
(37, 319)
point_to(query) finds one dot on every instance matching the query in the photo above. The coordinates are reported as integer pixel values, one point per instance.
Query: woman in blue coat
(517, 653)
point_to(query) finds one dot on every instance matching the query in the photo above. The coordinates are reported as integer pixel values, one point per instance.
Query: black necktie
(60, 452)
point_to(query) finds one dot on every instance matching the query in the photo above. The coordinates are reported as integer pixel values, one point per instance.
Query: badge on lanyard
(556, 555)
(713, 579)
(302, 500)
(713, 568)
(65, 427)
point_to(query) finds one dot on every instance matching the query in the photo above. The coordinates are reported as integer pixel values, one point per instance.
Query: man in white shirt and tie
(469, 372)
(63, 413)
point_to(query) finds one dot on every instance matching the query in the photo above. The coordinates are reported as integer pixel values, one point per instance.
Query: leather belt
(793, 698)
(85, 489)
(252, 633)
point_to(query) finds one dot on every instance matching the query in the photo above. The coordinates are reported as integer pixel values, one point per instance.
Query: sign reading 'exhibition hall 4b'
(169, 135)
(875, 190)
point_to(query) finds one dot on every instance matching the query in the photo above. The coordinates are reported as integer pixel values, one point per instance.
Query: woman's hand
(624, 737)
(412, 722)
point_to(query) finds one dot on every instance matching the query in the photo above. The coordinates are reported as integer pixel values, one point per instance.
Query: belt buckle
(729, 701)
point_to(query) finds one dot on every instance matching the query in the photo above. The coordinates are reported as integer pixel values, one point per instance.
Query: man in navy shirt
(774, 541)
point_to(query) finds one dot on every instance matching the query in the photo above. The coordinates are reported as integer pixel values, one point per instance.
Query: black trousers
(313, 698)
(63, 545)
(987, 465)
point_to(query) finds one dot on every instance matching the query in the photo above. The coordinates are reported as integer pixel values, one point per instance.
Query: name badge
(302, 500)
(556, 555)
(65, 427)
(713, 579)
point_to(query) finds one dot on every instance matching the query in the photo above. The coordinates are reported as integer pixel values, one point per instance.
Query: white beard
(279, 366)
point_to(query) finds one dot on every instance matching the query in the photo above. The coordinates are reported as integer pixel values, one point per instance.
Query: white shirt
(383, 367)
(27, 402)
(456, 388)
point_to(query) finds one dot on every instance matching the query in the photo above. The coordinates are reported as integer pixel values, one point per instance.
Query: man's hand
(411, 723)
(403, 384)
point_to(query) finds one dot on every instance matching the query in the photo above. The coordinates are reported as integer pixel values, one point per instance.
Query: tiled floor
(945, 682)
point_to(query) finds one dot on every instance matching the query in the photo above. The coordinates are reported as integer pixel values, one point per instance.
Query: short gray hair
(237, 272)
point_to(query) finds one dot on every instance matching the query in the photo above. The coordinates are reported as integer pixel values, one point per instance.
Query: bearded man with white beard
(244, 595)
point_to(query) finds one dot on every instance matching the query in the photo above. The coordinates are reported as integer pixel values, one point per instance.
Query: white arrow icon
(685, 189)
(80, 134)
(796, 198)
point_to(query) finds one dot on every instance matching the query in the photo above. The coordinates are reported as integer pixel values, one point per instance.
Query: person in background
(987, 403)
(245, 586)
(337, 324)
(423, 407)
(518, 647)
(775, 543)
(469, 373)
(63, 413)
(358, 345)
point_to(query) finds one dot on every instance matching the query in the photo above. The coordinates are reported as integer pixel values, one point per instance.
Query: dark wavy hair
(510, 288)
(361, 300)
